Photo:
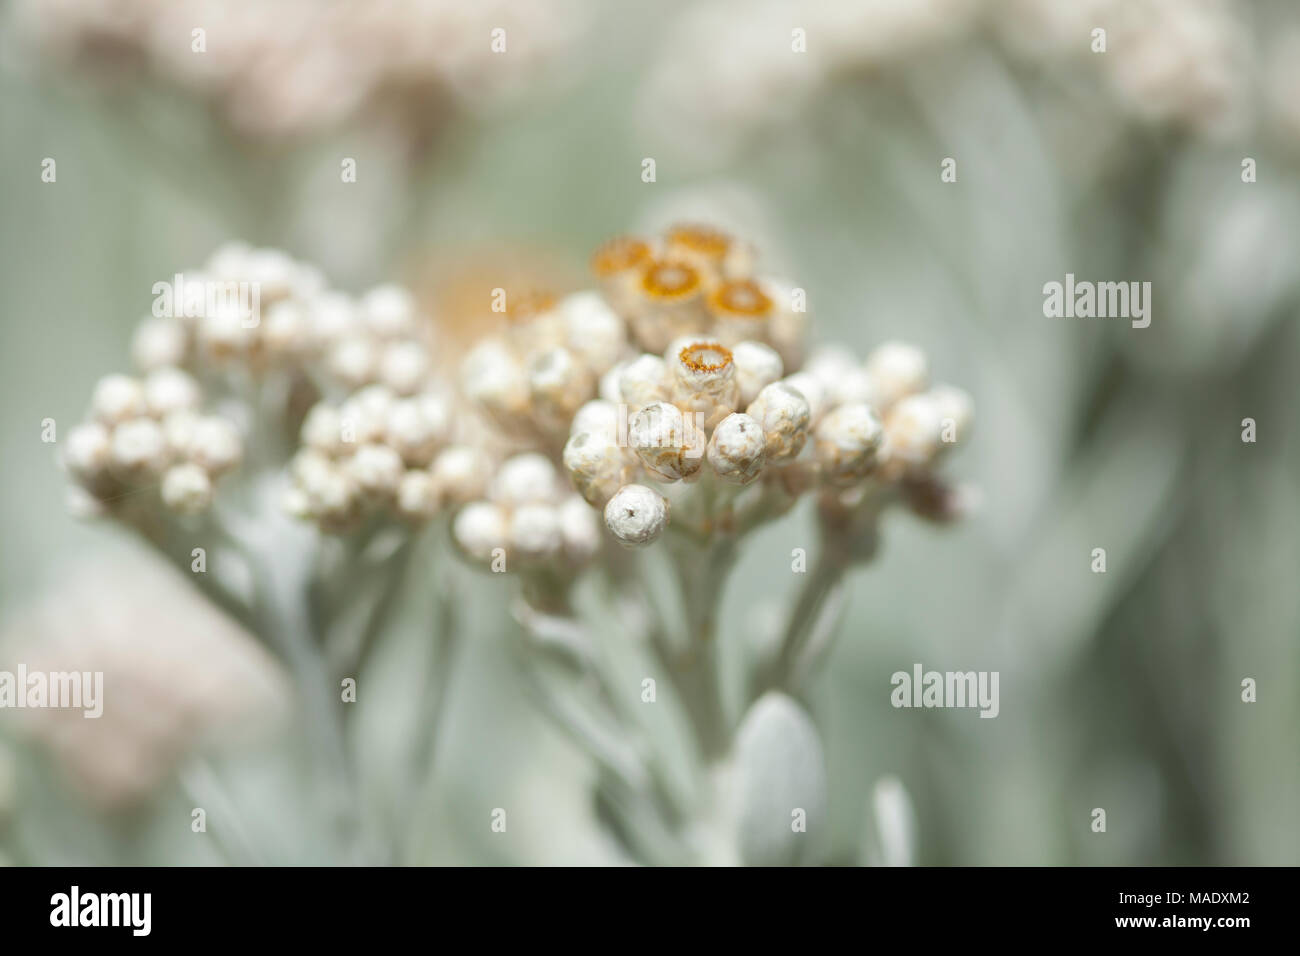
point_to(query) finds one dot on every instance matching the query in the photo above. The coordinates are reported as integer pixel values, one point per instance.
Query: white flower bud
(286, 329)
(417, 496)
(643, 380)
(610, 390)
(364, 415)
(308, 465)
(117, 398)
(416, 427)
(462, 473)
(322, 429)
(139, 450)
(168, 390)
(737, 449)
(187, 489)
(912, 430)
(597, 415)
(671, 304)
(669, 444)
(847, 443)
(703, 380)
(87, 451)
(956, 409)
(757, 366)
(479, 528)
(333, 498)
(636, 515)
(330, 316)
(226, 332)
(533, 532)
(740, 310)
(178, 430)
(215, 445)
(782, 412)
(158, 342)
(353, 359)
(492, 376)
(525, 479)
(404, 366)
(580, 528)
(842, 378)
(896, 370)
(597, 466)
(813, 391)
(593, 330)
(274, 273)
(558, 384)
(388, 311)
(377, 470)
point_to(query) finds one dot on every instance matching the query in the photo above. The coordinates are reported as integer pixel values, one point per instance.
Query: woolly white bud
(525, 479)
(493, 377)
(416, 427)
(669, 444)
(404, 366)
(643, 381)
(558, 383)
(388, 311)
(533, 532)
(610, 388)
(897, 370)
(593, 330)
(417, 496)
(187, 488)
(322, 429)
(377, 470)
(580, 527)
(117, 398)
(139, 450)
(782, 412)
(737, 449)
(462, 473)
(757, 366)
(364, 415)
(274, 272)
(912, 430)
(226, 332)
(479, 528)
(215, 445)
(813, 391)
(352, 360)
(596, 465)
(596, 415)
(636, 515)
(168, 390)
(841, 377)
(333, 498)
(87, 450)
(848, 442)
(330, 317)
(159, 341)
(286, 330)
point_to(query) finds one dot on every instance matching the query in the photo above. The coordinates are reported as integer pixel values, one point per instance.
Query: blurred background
(1120, 690)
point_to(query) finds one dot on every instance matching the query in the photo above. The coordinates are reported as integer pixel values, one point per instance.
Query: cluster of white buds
(527, 515)
(150, 433)
(729, 413)
(383, 452)
(531, 379)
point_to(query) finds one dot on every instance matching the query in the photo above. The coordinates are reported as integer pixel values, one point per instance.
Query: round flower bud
(669, 444)
(757, 366)
(87, 451)
(364, 415)
(643, 381)
(139, 450)
(415, 427)
(847, 443)
(597, 466)
(377, 470)
(333, 498)
(704, 380)
(479, 529)
(912, 430)
(896, 370)
(330, 316)
(580, 528)
(492, 377)
(159, 341)
(597, 415)
(782, 413)
(352, 360)
(609, 389)
(322, 429)
(272, 271)
(286, 330)
(462, 473)
(388, 311)
(215, 445)
(404, 366)
(813, 391)
(593, 330)
(168, 390)
(956, 413)
(636, 515)
(187, 489)
(843, 380)
(227, 331)
(417, 496)
(558, 384)
(525, 479)
(308, 464)
(737, 449)
(533, 532)
(117, 398)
